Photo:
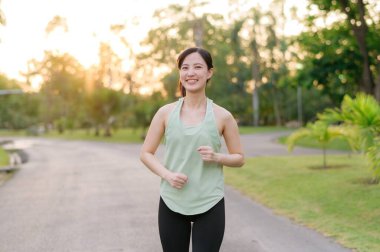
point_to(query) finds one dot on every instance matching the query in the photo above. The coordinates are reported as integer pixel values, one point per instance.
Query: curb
(15, 162)
(16, 158)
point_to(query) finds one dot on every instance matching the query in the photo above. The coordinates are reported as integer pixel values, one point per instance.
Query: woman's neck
(195, 101)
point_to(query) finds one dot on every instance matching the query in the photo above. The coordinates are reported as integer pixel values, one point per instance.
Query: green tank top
(205, 185)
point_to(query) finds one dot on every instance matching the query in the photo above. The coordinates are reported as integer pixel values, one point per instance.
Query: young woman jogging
(192, 185)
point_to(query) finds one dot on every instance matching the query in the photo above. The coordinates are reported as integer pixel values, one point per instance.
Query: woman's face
(194, 73)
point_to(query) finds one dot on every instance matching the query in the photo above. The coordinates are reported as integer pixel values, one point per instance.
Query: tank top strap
(178, 106)
(209, 111)
(174, 115)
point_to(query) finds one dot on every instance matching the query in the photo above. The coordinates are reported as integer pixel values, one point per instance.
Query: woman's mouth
(191, 81)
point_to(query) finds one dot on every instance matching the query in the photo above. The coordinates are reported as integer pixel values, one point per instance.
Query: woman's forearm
(231, 160)
(154, 164)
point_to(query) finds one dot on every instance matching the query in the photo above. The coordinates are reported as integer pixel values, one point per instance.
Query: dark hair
(204, 54)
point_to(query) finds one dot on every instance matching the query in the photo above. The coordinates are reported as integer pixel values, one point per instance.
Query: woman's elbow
(241, 161)
(143, 156)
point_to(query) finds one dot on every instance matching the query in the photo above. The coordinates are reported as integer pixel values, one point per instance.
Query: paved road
(90, 197)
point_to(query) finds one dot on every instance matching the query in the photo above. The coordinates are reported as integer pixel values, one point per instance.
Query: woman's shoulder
(166, 109)
(221, 113)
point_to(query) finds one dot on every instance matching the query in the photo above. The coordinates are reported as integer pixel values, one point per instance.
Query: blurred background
(102, 66)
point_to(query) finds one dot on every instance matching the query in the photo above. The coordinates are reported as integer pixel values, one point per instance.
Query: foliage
(17, 111)
(62, 90)
(103, 104)
(362, 22)
(321, 132)
(362, 112)
(144, 109)
(249, 47)
(331, 61)
(362, 116)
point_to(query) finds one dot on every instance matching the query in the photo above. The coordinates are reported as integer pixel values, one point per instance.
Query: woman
(192, 185)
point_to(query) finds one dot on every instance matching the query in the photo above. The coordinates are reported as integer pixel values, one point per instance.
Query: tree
(17, 111)
(175, 32)
(103, 106)
(330, 62)
(62, 89)
(319, 131)
(362, 115)
(358, 17)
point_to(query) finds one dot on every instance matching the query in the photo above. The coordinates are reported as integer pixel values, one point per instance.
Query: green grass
(122, 135)
(337, 201)
(4, 157)
(127, 135)
(335, 144)
(254, 130)
(4, 132)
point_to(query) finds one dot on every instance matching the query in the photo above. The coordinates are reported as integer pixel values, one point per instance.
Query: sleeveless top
(205, 185)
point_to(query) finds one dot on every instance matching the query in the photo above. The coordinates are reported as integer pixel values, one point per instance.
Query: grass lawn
(335, 144)
(121, 135)
(254, 130)
(336, 201)
(4, 158)
(12, 132)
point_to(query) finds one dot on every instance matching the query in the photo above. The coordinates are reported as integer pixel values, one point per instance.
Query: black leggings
(207, 230)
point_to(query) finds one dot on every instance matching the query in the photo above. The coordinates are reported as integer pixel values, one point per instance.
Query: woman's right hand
(176, 179)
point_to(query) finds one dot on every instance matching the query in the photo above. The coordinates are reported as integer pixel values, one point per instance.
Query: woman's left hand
(208, 154)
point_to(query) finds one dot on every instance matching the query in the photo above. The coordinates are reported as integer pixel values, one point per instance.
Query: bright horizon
(24, 38)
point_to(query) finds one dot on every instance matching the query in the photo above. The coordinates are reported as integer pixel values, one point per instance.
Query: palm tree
(361, 114)
(373, 155)
(320, 131)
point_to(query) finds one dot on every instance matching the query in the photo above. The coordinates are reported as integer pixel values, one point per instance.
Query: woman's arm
(235, 156)
(151, 143)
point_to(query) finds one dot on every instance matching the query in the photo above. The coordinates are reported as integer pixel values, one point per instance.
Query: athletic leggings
(207, 230)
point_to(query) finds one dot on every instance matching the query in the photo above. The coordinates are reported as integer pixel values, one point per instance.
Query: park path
(90, 196)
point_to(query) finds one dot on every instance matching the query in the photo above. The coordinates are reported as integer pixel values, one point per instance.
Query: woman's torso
(205, 185)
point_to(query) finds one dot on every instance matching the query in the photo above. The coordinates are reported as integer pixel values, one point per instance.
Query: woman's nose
(191, 71)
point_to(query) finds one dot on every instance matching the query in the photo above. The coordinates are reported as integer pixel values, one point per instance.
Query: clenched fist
(176, 179)
(208, 154)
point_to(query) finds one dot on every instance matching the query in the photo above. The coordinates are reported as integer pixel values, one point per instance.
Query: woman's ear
(210, 72)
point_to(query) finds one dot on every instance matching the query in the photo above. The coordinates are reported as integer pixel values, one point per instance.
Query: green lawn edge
(338, 202)
(4, 157)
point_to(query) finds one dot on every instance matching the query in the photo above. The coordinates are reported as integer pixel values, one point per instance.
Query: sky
(24, 37)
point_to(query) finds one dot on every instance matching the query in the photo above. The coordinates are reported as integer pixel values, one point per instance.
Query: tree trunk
(359, 27)
(299, 106)
(255, 93)
(198, 32)
(276, 108)
(377, 82)
(107, 131)
(256, 75)
(324, 158)
(255, 106)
